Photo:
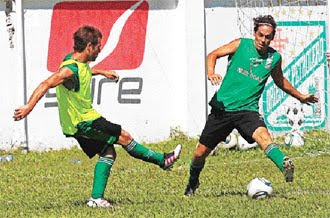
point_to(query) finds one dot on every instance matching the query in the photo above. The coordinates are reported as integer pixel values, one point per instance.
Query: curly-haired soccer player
(235, 105)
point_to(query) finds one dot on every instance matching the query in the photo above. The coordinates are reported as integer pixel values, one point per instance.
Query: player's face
(263, 36)
(95, 50)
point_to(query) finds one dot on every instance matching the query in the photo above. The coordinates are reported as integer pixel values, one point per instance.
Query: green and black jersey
(244, 82)
(74, 96)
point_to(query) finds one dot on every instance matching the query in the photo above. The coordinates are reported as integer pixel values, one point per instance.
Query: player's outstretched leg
(165, 161)
(285, 164)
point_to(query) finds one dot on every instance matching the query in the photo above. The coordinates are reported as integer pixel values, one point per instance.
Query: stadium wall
(157, 47)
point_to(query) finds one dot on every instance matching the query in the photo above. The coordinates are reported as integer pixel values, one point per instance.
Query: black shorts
(95, 136)
(220, 124)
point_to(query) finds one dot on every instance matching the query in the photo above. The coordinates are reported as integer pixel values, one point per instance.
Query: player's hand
(215, 79)
(111, 75)
(21, 112)
(309, 98)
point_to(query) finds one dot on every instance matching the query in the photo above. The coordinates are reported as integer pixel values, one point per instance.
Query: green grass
(49, 184)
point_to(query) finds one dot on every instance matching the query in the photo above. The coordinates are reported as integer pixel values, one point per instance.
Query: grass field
(52, 184)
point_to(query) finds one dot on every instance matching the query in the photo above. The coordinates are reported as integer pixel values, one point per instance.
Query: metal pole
(205, 72)
(21, 57)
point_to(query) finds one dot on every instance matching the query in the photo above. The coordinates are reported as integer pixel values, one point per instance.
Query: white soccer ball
(259, 188)
(295, 116)
(295, 139)
(242, 144)
(231, 141)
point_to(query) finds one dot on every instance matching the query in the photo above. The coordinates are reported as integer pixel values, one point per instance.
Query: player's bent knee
(262, 137)
(201, 151)
(126, 135)
(125, 138)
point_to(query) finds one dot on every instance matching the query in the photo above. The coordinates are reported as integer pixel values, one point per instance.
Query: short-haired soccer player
(78, 119)
(235, 105)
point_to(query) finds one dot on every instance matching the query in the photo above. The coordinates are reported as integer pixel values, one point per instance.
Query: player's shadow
(78, 203)
(225, 193)
(283, 196)
(242, 193)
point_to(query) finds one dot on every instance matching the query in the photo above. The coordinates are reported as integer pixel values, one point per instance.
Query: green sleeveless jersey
(244, 82)
(74, 96)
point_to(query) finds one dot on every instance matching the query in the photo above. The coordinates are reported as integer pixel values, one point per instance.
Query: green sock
(140, 152)
(194, 172)
(101, 175)
(275, 154)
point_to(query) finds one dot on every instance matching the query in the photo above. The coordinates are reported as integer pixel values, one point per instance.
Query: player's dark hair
(264, 20)
(84, 35)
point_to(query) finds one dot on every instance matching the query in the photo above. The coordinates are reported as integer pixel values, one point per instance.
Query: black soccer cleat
(191, 189)
(288, 169)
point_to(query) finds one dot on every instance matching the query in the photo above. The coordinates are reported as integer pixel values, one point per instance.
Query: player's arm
(212, 57)
(107, 73)
(54, 80)
(286, 86)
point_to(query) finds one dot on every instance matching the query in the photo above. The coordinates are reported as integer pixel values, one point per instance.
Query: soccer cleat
(190, 190)
(288, 169)
(171, 157)
(99, 202)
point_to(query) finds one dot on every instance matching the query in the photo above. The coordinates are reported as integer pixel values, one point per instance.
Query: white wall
(173, 62)
(172, 70)
(11, 133)
(195, 67)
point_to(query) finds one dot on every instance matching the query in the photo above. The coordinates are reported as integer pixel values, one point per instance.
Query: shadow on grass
(78, 203)
(141, 201)
(224, 194)
(240, 193)
(283, 196)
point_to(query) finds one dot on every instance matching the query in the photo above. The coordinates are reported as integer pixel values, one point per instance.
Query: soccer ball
(231, 141)
(295, 116)
(259, 188)
(242, 144)
(295, 139)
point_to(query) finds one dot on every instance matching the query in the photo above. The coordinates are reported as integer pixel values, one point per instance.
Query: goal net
(301, 39)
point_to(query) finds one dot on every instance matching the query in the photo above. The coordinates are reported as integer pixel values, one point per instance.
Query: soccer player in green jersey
(78, 119)
(235, 105)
